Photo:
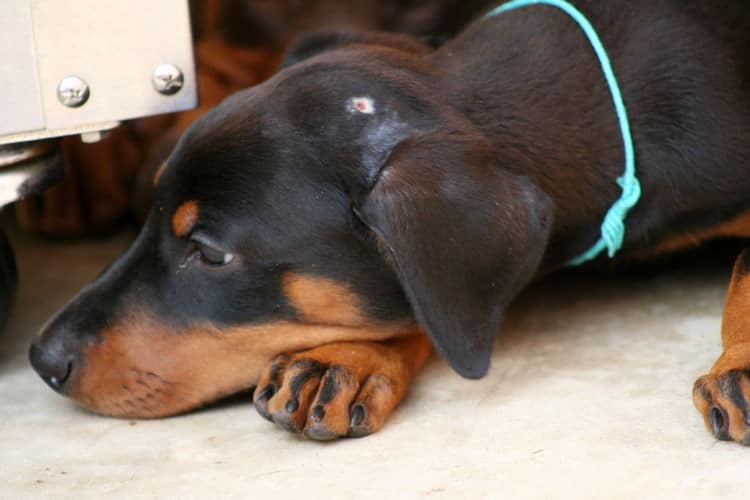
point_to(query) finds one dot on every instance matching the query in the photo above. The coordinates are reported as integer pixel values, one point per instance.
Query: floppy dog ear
(313, 44)
(463, 235)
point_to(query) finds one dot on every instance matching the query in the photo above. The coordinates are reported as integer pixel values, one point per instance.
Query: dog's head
(341, 200)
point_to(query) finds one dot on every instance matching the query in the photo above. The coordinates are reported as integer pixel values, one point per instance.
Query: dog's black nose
(53, 365)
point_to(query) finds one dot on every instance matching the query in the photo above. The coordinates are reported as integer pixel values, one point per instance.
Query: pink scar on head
(362, 105)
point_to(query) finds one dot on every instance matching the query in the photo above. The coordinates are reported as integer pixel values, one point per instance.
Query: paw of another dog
(724, 402)
(338, 390)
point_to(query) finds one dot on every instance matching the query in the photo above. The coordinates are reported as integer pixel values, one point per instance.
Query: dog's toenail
(358, 415)
(719, 422)
(267, 393)
(292, 405)
(318, 413)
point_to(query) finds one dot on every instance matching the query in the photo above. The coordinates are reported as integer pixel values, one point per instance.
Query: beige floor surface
(588, 397)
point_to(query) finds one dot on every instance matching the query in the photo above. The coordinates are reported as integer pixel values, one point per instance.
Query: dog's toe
(268, 385)
(288, 407)
(261, 398)
(338, 390)
(329, 414)
(374, 403)
(724, 402)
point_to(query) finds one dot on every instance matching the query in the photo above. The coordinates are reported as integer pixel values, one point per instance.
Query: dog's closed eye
(207, 253)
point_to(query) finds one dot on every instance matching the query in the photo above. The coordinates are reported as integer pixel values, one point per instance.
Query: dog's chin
(141, 396)
(142, 368)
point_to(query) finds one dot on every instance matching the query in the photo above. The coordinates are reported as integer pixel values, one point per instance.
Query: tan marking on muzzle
(321, 300)
(143, 368)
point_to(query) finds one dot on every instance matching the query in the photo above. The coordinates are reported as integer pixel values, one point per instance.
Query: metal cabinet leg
(8, 278)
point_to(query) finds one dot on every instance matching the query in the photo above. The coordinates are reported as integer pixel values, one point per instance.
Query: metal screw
(73, 92)
(92, 137)
(167, 79)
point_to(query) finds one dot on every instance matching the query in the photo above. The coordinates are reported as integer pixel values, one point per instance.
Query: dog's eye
(210, 255)
(213, 257)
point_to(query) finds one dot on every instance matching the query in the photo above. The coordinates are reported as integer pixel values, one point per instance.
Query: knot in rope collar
(613, 226)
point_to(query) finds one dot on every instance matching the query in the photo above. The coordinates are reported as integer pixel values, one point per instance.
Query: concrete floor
(589, 397)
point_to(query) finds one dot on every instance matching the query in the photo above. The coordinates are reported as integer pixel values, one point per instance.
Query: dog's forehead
(228, 135)
(300, 123)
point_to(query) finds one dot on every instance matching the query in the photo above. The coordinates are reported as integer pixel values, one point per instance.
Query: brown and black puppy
(308, 232)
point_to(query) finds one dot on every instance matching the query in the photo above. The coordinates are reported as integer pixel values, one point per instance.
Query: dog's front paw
(338, 390)
(724, 402)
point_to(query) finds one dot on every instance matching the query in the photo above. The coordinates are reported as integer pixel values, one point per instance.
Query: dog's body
(541, 98)
(376, 189)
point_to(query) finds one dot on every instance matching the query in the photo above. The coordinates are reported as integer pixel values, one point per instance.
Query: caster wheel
(8, 278)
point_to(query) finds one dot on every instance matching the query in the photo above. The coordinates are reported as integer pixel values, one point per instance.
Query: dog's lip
(235, 398)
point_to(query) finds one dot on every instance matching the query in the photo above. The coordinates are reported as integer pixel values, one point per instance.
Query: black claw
(320, 433)
(261, 401)
(308, 370)
(318, 413)
(292, 405)
(358, 414)
(267, 393)
(284, 421)
(719, 422)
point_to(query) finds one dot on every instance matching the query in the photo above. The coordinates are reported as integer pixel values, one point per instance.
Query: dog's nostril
(719, 422)
(59, 381)
(53, 370)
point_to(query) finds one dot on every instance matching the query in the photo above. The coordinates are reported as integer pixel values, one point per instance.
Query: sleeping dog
(317, 235)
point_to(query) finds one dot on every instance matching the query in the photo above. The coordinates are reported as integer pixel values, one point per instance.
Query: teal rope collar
(613, 227)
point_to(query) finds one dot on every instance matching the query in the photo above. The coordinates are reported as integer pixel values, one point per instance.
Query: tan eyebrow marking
(184, 218)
